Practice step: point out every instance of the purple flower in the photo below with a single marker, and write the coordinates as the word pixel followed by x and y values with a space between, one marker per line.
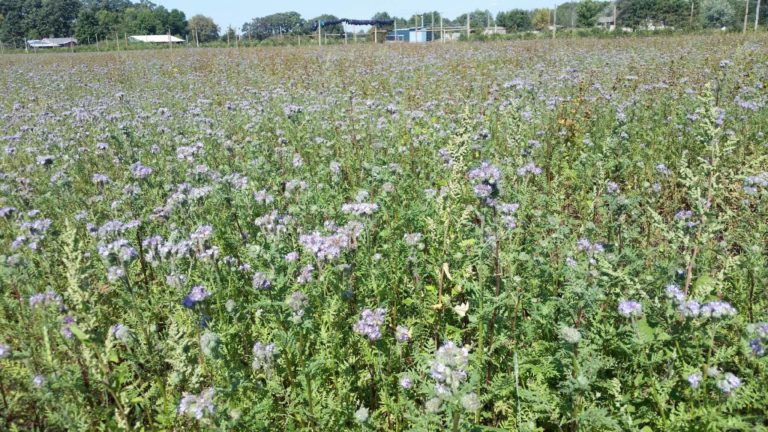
pixel 306 274
pixel 694 380
pixel 291 256
pixel 630 308
pixel 120 332
pixel 67 322
pixel 612 188
pixel 263 356
pixel 360 209
pixel 262 197
pixel 48 298
pixel 717 309
pixel 482 190
pixel 485 173
pixel 196 295
pixel 260 281
pixel 5 350
pixel 100 179
pixel 412 239
pixel 370 323
pixel 402 334
pixel 757 347
pixel 449 368
pixel 406 383
pixel 198 405
pixel 689 308
pixel 530 167
pixel 38 381
pixel 674 292
pixel 728 383
pixel 139 171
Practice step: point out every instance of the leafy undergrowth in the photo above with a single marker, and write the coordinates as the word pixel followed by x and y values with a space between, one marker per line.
pixel 506 236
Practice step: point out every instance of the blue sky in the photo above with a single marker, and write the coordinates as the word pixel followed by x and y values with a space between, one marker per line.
pixel 237 12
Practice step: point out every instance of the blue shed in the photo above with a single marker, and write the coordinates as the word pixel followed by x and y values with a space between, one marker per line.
pixel 411 34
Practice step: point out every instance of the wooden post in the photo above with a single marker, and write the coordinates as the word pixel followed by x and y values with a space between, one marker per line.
pixel 319 34
pixel 554 22
pixel 170 45
pixel 615 24
pixel 746 15
pixel 71 45
pixel 2 47
pixel 375 35
pixel 228 29
pixel 757 14
pixel 442 30
pixel 117 41
pixel 125 35
pixel 197 38
pixel 690 20
pixel 468 29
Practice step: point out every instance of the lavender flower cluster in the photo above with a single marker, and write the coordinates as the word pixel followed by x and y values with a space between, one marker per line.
pixel 370 323
pixel 752 183
pixel 630 308
pixel 49 298
pixel 692 308
pixel 330 247
pixel 198 406
pixel 485 179
pixel 757 344
pixel 263 355
pixel 360 209
pixel 298 303
pixel 449 368
pixel 196 295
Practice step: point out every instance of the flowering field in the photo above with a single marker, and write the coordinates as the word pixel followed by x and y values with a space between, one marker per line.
pixel 520 236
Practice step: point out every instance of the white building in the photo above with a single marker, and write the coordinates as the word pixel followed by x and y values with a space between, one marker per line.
pixel 155 39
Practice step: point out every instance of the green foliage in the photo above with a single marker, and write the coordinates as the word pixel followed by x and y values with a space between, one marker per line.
pixel 717 13
pixel 587 12
pixel 203 28
pixel 643 178
pixel 515 20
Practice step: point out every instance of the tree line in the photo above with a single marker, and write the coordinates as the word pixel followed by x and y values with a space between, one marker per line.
pixel 89 20
pixel 634 14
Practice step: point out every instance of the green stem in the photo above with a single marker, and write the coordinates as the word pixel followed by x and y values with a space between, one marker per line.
pixel 456 419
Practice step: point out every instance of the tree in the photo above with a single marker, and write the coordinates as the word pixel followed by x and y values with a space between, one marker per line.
pixel 261 28
pixel 176 21
pixel 587 11
pixel 87 26
pixel 478 19
pixel 640 13
pixel 515 20
pixel 540 19
pixel 229 35
pixel 206 29
pixel 717 14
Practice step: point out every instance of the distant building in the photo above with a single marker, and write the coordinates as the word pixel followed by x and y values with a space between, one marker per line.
pixel 52 43
pixel 155 39
pixel 494 30
pixel 606 22
pixel 411 35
